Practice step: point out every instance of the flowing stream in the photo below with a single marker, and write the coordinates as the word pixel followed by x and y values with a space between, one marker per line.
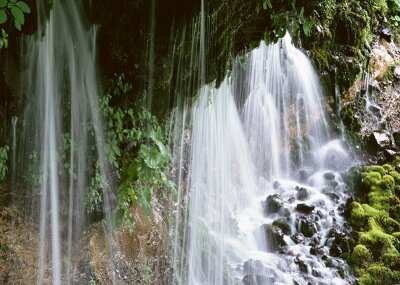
pixel 61 121
pixel 261 192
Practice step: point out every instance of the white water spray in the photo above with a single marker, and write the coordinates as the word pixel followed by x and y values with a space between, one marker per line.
pixel 274 144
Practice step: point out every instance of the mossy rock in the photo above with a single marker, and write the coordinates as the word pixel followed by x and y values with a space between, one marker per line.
pixel 379 274
pixel 361 256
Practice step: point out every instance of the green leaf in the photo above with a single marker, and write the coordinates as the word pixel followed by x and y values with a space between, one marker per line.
pixel 18 16
pixel 17 26
pixel 3 3
pixel 23 6
pixel 3 17
pixel 267 4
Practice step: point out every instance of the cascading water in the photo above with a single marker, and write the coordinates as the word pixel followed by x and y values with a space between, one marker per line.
pixel 62 119
pixel 263 179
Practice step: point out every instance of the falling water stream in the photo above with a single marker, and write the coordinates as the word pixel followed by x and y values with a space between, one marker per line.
pixel 260 154
pixel 62 119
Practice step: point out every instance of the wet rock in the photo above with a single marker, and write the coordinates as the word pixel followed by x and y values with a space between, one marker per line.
pixel 386 34
pixel 396 72
pixel 333 183
pixel 390 154
pixel 272 235
pixel 316 273
pixel 276 185
pixel 297 238
pixel 304 208
pixel 255 267
pixel 335 250
pixel 307 226
pixel 302 194
pixel 396 135
pixel 329 175
pixel 334 197
pixel 258 280
pixel 273 204
pixel 283 225
pixel 316 250
pixel 302 265
pixel 303 175
pixel 378 140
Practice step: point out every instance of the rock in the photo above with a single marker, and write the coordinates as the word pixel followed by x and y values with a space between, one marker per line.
pixel 334 197
pixel 302 265
pixel 272 235
pixel 307 226
pixel 316 250
pixel 283 225
pixel 333 183
pixel 335 250
pixel 390 154
pixel 386 34
pixel 304 208
pixel 329 175
pixel 297 238
pixel 302 194
pixel 396 72
pixel 378 140
pixel 273 204
pixel 276 185
pixel 255 267
pixel 396 135
pixel 258 280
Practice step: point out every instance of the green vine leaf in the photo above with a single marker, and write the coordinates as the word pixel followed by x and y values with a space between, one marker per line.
pixel 3 17
pixel 23 7
pixel 3 3
pixel 18 16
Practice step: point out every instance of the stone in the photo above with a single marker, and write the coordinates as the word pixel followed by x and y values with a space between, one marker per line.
pixel 390 154
pixel 276 185
pixel 273 204
pixel 302 265
pixel 396 136
pixel 304 208
pixel 307 226
pixel 258 279
pixel 302 194
pixel 316 250
pixel 329 175
pixel 386 34
pixel 273 236
pixel 297 238
pixel 378 140
pixel 283 225
pixel 396 72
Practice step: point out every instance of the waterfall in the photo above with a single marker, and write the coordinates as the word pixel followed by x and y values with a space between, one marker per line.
pixel 14 121
pixel 259 176
pixel 62 120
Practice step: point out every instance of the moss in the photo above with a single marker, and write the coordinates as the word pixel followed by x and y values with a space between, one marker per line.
pixel 396 176
pixel 372 178
pixel 379 274
pixel 283 225
pixel 361 256
pixel 387 182
pixel 378 241
pixel 375 168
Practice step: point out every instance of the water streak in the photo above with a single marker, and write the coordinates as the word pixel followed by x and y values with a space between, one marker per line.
pixel 261 135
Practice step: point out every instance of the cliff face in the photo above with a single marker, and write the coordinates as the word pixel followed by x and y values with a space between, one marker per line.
pixel 353 44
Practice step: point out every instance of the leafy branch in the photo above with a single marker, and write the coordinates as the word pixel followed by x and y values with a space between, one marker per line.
pixel 12 9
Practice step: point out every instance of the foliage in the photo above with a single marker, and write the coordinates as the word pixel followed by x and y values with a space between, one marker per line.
pixel 136 148
pixel 375 219
pixel 12 9
pixel 3 162
pixel 285 19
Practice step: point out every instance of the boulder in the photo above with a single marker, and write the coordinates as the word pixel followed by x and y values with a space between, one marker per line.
pixel 302 194
pixel 386 34
pixel 304 208
pixel 283 225
pixel 307 226
pixel 396 135
pixel 378 140
pixel 297 238
pixel 272 235
pixel 273 204
pixel 329 175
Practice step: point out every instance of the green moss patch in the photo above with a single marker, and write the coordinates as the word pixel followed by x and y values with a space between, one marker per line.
pixel 375 219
